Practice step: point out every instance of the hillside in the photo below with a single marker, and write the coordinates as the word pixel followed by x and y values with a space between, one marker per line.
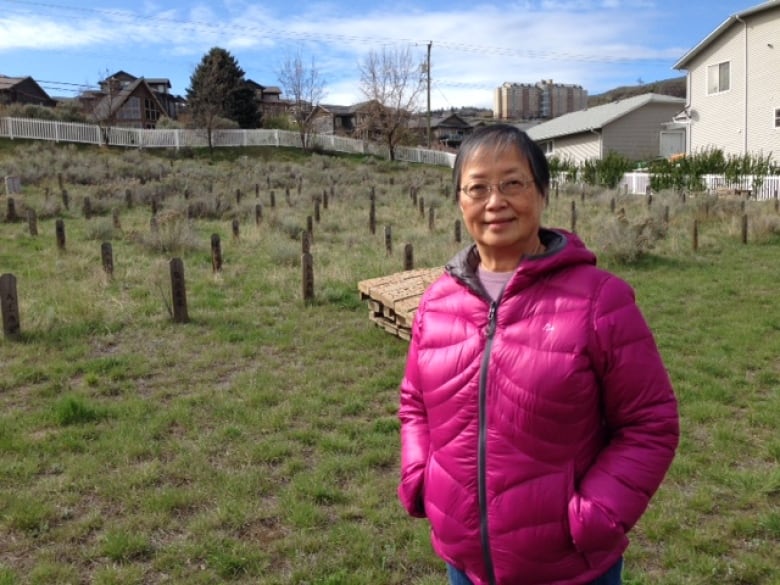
pixel 674 86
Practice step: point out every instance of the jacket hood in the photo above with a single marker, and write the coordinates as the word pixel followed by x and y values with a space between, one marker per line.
pixel 563 249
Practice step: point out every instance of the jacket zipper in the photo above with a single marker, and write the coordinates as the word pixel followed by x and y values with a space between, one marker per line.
pixel 482 447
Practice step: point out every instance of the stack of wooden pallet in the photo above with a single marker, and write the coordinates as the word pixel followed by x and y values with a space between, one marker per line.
pixel 392 300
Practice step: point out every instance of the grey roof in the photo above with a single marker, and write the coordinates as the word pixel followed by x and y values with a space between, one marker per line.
pixel 597 117
pixel 9 82
pixel 685 59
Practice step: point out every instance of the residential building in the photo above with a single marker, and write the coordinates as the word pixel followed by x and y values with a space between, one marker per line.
pixel 355 121
pixel 631 127
pixel 269 99
pixel 23 90
pixel 544 100
pixel 733 79
pixel 447 130
pixel 114 89
pixel 124 103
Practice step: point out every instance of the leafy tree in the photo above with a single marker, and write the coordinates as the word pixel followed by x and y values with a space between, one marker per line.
pixel 392 81
pixel 304 85
pixel 218 90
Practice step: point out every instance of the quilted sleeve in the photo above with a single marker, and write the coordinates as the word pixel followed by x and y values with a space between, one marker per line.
pixel 414 430
pixel 640 413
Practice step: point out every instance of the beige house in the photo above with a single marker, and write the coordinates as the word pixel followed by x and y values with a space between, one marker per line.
pixel 733 78
pixel 631 127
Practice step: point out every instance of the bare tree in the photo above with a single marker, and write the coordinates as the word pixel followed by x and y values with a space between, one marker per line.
pixel 304 85
pixel 393 82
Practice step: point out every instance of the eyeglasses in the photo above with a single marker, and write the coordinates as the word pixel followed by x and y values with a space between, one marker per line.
pixel 479 191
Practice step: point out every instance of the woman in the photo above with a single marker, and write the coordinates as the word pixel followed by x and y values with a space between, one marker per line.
pixel 537 418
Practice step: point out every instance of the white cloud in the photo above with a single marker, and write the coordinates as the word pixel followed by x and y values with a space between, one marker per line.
pixel 474 50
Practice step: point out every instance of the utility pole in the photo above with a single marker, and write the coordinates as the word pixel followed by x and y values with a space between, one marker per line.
pixel 428 78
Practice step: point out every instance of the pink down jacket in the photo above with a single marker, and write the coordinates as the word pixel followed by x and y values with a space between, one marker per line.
pixel 534 430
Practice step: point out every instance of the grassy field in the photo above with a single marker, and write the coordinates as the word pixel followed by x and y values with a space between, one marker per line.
pixel 258 443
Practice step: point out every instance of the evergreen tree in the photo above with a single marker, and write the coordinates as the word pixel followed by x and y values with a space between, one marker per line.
pixel 218 89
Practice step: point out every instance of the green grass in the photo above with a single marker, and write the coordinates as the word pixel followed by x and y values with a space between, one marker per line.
pixel 258 443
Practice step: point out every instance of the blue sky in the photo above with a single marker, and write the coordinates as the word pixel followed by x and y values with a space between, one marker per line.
pixel 67 45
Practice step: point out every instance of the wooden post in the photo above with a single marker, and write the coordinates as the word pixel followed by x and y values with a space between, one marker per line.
pixel 65 199
pixel 305 243
pixel 457 231
pixel 413 193
pixel 388 240
pixel 154 205
pixel 695 237
pixel 273 200
pixel 9 305
pixel 257 190
pixel 258 213
pixel 408 257
pixel 324 198
pixel 238 196
pixel 573 216
pixel 310 226
pixel 308 277
pixel 666 214
pixel 744 228
pixel 115 219
pixel 216 253
pixel 11 214
pixel 431 214
pixel 649 200
pixel 86 208
pixel 236 228
pixel 60 230
pixel 556 189
pixel 372 217
pixel 32 222
pixel 107 256
pixel 422 207
pixel 179 291
pixel 287 196
pixel 317 211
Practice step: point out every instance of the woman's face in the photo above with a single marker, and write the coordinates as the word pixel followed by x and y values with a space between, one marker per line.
pixel 503 227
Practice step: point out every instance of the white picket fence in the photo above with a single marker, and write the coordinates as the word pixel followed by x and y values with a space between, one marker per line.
pixel 31 129
pixel 635 183
pixel 638 182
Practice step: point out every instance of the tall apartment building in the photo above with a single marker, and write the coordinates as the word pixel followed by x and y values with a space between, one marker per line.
pixel 542 100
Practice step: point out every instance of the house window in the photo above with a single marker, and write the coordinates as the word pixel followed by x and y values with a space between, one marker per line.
pixel 152 114
pixel 777 117
pixel 718 78
pixel 130 110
